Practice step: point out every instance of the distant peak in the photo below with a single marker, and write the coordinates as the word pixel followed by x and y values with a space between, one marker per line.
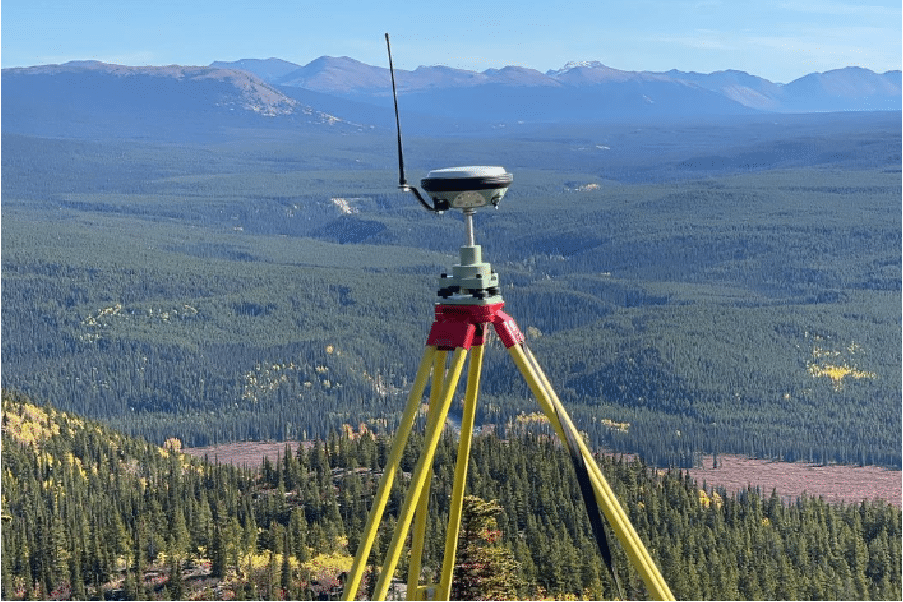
pixel 589 64
pixel 336 59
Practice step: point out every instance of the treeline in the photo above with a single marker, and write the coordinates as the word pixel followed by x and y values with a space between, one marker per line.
pixel 90 513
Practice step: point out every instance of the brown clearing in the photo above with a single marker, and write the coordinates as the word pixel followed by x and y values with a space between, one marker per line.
pixel 249 454
pixel 834 483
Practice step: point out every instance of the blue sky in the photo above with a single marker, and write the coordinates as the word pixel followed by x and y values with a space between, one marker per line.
pixel 780 40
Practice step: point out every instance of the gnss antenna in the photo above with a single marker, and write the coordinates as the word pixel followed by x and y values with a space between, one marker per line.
pixel 471 303
pixel 465 188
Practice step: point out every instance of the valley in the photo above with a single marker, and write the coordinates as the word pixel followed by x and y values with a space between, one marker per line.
pixel 195 291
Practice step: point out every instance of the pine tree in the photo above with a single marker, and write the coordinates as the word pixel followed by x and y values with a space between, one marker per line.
pixel 201 526
pixel 6 581
pixel 130 585
pixel 298 531
pixel 231 533
pixel 217 553
pixel 179 537
pixel 176 585
pixel 76 579
pixel 286 570
pixel 272 579
pixel 249 537
pixel 484 569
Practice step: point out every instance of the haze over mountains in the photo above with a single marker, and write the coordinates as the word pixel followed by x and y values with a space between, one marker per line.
pixel 341 93
pixel 93 99
pixel 852 88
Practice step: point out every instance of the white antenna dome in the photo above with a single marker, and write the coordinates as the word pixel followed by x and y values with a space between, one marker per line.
pixel 467 187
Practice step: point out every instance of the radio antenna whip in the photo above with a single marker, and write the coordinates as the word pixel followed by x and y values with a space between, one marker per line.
pixel 402 181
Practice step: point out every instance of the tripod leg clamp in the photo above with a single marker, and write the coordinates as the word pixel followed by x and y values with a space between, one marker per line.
pixel 507 329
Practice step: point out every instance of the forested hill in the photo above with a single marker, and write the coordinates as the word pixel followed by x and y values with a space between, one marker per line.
pixel 715 287
pixel 90 513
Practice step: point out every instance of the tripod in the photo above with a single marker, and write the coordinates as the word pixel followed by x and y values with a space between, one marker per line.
pixel 471 302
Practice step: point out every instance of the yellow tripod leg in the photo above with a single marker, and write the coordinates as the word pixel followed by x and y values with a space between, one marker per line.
pixel 614 512
pixel 457 499
pixel 606 498
pixel 424 465
pixel 418 539
pixel 420 516
pixel 385 485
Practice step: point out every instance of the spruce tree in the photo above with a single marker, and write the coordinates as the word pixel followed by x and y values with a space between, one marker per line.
pixel 484 568
pixel 217 553
pixel 176 585
pixel 272 577
pixel 286 579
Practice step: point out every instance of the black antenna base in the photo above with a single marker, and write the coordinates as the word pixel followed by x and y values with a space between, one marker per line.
pixel 437 206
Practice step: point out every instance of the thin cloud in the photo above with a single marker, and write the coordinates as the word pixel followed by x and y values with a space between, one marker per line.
pixel 838 8
pixel 703 39
pixel 826 53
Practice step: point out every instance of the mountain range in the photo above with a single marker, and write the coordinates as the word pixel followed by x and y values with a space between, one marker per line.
pixel 851 88
pixel 93 99
pixel 79 97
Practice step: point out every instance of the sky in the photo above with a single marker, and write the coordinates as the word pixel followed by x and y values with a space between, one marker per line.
pixel 780 40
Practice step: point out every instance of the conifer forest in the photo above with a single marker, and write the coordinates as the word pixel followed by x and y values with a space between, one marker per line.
pixel 98 514
pixel 727 287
